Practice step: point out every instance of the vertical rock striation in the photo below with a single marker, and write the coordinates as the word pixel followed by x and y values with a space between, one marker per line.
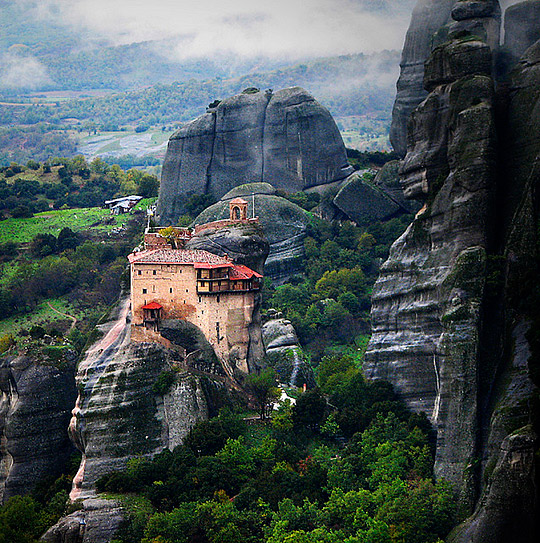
pixel 455 310
pixel 284 138
pixel 431 23
pixel 427 18
pixel 426 303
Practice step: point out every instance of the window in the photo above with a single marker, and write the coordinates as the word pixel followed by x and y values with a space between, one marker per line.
pixel 218 299
pixel 170 290
pixel 187 290
pixel 200 299
pixel 154 272
pixel 144 291
pixel 153 288
pixel 139 272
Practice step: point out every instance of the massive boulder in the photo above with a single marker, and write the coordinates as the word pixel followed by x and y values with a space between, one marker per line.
pixel 283 352
pixel 284 138
pixel 284 225
pixel 365 202
pixel 35 406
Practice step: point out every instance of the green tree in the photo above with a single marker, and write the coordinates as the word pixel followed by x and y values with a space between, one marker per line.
pixel 309 409
pixel 263 388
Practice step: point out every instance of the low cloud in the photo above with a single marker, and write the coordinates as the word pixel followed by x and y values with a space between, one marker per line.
pixel 20 70
pixel 280 28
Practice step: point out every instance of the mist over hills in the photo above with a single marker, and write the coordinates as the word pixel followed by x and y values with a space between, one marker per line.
pixel 57 45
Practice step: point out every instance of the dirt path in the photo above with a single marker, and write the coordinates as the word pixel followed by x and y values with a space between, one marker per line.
pixel 73 319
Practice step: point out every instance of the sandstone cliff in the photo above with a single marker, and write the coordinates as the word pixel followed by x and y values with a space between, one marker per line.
pixel 454 311
pixel 431 22
pixel 284 138
pixel 37 398
pixel 119 414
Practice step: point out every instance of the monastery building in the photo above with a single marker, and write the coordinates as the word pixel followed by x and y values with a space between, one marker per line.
pixel 207 290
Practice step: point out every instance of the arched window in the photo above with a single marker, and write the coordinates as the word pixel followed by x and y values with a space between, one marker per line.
pixel 236 213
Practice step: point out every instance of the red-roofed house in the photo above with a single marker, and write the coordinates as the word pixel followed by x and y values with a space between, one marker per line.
pixel 207 290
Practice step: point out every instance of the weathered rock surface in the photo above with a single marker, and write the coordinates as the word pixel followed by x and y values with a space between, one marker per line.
pixel 426 302
pixel 521 27
pixel 509 505
pixel 118 415
pixel 387 180
pixel 284 225
pixel 432 22
pixel 34 412
pixel 284 138
pixel 283 352
pixel 454 312
pixel 427 18
pixel 365 202
pixel 96 522
pixel 481 18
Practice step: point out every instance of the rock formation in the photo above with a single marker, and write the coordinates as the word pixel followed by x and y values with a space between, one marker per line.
pixel 283 352
pixel 432 21
pixel 96 522
pixel 119 414
pixel 520 30
pixel 283 222
pixel 427 18
pixel 432 283
pixel 454 311
pixel 284 138
pixel 365 202
pixel 34 411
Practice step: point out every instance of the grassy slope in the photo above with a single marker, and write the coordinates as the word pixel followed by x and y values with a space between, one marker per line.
pixel 51 222
pixel 86 220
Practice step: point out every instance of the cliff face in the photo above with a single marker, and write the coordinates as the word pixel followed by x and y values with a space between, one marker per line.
pixel 431 22
pixel 454 310
pixel 284 138
pixel 426 301
pixel 119 414
pixel 427 18
pixel 34 411
pixel 508 506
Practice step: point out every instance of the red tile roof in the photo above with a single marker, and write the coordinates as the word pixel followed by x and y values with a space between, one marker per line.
pixel 177 256
pixel 240 271
pixel 238 201
pixel 152 305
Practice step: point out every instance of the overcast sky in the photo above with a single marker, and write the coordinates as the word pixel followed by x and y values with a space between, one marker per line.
pixel 290 28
